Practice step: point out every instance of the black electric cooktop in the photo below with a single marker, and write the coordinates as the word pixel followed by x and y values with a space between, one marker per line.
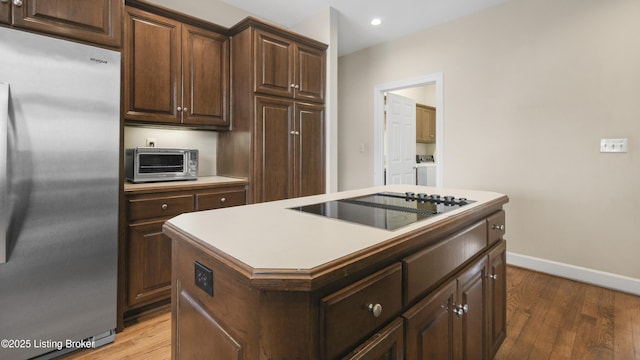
pixel 386 210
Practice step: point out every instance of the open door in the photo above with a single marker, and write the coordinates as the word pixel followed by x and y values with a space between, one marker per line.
pixel 400 157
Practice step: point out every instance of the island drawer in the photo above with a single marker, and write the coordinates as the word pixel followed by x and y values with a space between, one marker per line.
pixel 424 269
pixel 349 315
pixel 495 227
pixel 220 199
pixel 151 207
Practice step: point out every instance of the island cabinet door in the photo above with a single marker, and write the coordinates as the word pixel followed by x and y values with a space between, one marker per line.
pixel 431 326
pixel 387 344
pixel 497 285
pixel 5 12
pixel 471 310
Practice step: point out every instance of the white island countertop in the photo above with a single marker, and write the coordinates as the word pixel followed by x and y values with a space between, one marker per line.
pixel 273 236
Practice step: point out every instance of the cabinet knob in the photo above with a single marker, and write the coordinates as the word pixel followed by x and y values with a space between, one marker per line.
pixel 164 206
pixel 461 310
pixel 493 276
pixel 185 109
pixel 17 2
pixel 497 227
pixel 376 309
pixel 223 200
pixel 179 109
pixel 293 132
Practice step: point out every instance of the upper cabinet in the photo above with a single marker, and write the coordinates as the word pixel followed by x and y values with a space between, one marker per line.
pixel 287 68
pixel 278 135
pixel 425 124
pixel 174 73
pixel 95 21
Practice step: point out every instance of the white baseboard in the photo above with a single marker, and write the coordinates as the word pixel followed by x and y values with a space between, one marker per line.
pixel 595 277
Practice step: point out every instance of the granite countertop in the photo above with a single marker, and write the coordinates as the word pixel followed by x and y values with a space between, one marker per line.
pixel 273 236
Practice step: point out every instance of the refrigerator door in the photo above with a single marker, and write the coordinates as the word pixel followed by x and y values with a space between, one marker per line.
pixel 58 284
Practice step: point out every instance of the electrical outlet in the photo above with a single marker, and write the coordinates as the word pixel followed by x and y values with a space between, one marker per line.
pixel 151 142
pixel 204 278
pixel 613 145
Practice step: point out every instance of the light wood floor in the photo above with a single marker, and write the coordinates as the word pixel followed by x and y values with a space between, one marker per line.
pixel 548 318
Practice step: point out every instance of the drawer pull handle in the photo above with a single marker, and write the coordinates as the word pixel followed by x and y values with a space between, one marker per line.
pixel 376 309
pixel 164 206
pixel 223 200
pixel 498 227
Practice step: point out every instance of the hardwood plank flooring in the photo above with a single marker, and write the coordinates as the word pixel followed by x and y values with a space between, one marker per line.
pixel 554 318
pixel 547 318
pixel 149 339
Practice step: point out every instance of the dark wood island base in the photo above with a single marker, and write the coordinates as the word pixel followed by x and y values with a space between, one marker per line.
pixel 432 292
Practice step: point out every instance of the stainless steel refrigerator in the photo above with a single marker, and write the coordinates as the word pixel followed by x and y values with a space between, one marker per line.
pixel 59 141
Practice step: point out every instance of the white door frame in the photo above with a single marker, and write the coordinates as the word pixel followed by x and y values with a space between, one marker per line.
pixel 378 122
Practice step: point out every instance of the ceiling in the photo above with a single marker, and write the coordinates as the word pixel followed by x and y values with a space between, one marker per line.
pixel 399 17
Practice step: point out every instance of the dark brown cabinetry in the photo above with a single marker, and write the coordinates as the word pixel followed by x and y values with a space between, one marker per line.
pixel 425 124
pixel 387 344
pixel 431 295
pixel 464 318
pixel 497 292
pixel 147 251
pixel 289 149
pixel 95 21
pixel 277 138
pixel 174 73
pixel 286 68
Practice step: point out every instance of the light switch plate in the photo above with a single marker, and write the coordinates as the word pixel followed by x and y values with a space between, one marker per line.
pixel 613 145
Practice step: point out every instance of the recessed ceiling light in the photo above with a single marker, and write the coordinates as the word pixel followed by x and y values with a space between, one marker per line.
pixel 376 21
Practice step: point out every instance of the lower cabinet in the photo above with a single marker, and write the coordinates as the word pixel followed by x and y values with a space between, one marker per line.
pixel 444 300
pixel 146 269
pixel 465 318
pixel 497 292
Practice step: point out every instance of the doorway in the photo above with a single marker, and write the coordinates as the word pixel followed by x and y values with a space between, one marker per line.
pixel 379 123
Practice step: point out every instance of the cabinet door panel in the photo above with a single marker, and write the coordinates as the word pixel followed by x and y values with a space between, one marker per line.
pixel 431 326
pixel 472 295
pixel 149 272
pixel 310 76
pixel 387 344
pixel 310 151
pixel 95 21
pixel 152 66
pixel 5 12
pixel 274 64
pixel 205 77
pixel 497 285
pixel 274 175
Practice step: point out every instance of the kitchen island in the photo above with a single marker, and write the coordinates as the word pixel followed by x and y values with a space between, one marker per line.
pixel 268 281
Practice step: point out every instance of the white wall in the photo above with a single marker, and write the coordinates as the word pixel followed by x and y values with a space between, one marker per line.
pixel 530 87
pixel 213 11
pixel 204 141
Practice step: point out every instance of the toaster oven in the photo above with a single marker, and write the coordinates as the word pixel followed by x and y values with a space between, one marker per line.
pixel 147 164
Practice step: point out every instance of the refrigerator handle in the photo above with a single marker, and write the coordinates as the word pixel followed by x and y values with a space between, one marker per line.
pixel 4 124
